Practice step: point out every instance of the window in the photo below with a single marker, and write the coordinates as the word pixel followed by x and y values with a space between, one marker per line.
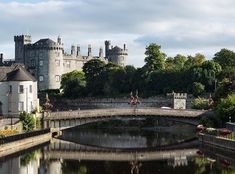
pixel 57 78
pixel 21 106
pixel 21 89
pixel 57 62
pixel 41 62
pixel 30 89
pixel 41 78
pixel 10 89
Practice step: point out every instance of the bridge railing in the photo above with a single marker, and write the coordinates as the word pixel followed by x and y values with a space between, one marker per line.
pixel 122 112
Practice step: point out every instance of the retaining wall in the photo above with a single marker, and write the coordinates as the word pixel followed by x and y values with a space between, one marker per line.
pixel 217 141
pixel 15 143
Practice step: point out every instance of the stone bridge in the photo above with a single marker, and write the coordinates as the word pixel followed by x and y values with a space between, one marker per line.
pixel 60 149
pixel 67 119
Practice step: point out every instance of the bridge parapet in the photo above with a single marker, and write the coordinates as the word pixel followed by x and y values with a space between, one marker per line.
pixel 94 113
pixel 68 119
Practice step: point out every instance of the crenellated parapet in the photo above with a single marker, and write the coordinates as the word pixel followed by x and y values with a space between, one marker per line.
pixel 180 95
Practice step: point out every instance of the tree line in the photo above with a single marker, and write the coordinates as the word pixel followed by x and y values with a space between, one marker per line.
pixel 159 75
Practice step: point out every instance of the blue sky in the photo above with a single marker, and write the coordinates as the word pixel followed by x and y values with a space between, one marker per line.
pixel 179 26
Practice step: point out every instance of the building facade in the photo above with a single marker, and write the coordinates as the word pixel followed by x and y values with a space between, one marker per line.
pixel 18 90
pixel 47 60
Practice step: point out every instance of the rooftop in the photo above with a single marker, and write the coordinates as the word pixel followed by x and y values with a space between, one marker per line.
pixel 15 73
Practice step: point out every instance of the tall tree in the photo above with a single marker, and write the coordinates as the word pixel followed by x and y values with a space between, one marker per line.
pixel 155 59
pixel 93 70
pixel 198 59
pixel 73 84
pixel 225 57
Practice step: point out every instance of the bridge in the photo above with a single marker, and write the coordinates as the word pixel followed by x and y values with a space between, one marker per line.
pixel 60 149
pixel 67 119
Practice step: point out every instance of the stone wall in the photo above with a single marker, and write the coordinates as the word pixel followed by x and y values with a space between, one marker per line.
pixel 217 141
pixel 89 103
pixel 23 143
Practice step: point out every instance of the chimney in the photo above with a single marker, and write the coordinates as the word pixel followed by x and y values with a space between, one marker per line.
pixel 101 54
pixel 59 40
pixel 1 58
pixel 89 50
pixel 124 46
pixel 78 50
pixel 72 50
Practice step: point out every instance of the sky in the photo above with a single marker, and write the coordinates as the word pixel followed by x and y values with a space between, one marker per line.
pixel 180 26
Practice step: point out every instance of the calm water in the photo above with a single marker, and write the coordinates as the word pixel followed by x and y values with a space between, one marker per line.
pixel 122 147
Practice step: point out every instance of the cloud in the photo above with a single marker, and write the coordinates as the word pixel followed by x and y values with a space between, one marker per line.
pixel 176 25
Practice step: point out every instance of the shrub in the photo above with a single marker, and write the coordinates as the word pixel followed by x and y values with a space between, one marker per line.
pixel 28 121
pixel 200 103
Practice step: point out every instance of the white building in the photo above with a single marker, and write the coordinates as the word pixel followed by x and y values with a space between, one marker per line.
pixel 18 90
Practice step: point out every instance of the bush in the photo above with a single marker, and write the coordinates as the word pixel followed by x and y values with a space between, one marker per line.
pixel 200 103
pixel 198 88
pixel 225 110
pixel 28 121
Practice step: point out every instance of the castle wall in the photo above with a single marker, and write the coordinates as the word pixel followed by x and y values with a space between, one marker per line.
pixel 71 63
pixel 47 61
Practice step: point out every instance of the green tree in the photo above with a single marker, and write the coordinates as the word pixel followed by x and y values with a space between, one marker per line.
pixel 225 88
pixel 93 70
pixel 179 61
pixel 176 63
pixel 226 109
pixel 28 121
pixel 225 57
pixel 73 84
pixel 198 88
pixel 155 59
pixel 192 61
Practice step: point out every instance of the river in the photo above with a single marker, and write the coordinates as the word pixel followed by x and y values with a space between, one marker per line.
pixel 126 146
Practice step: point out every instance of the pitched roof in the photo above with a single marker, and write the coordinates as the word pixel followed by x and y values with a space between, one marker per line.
pixel 15 73
pixel 44 41
pixel 4 70
pixel 117 48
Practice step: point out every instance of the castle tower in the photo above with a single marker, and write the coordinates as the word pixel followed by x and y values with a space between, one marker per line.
pixel 107 47
pixel 116 54
pixel 89 50
pixel 20 42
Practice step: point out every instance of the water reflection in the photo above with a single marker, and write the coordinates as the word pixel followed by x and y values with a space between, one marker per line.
pixel 108 151
pixel 131 134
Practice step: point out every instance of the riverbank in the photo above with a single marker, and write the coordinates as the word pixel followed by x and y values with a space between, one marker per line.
pixel 15 143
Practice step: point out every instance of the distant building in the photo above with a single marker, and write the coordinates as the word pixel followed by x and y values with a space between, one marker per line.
pixel 47 60
pixel 18 90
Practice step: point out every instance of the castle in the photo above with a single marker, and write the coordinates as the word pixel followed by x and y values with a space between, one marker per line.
pixel 47 60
